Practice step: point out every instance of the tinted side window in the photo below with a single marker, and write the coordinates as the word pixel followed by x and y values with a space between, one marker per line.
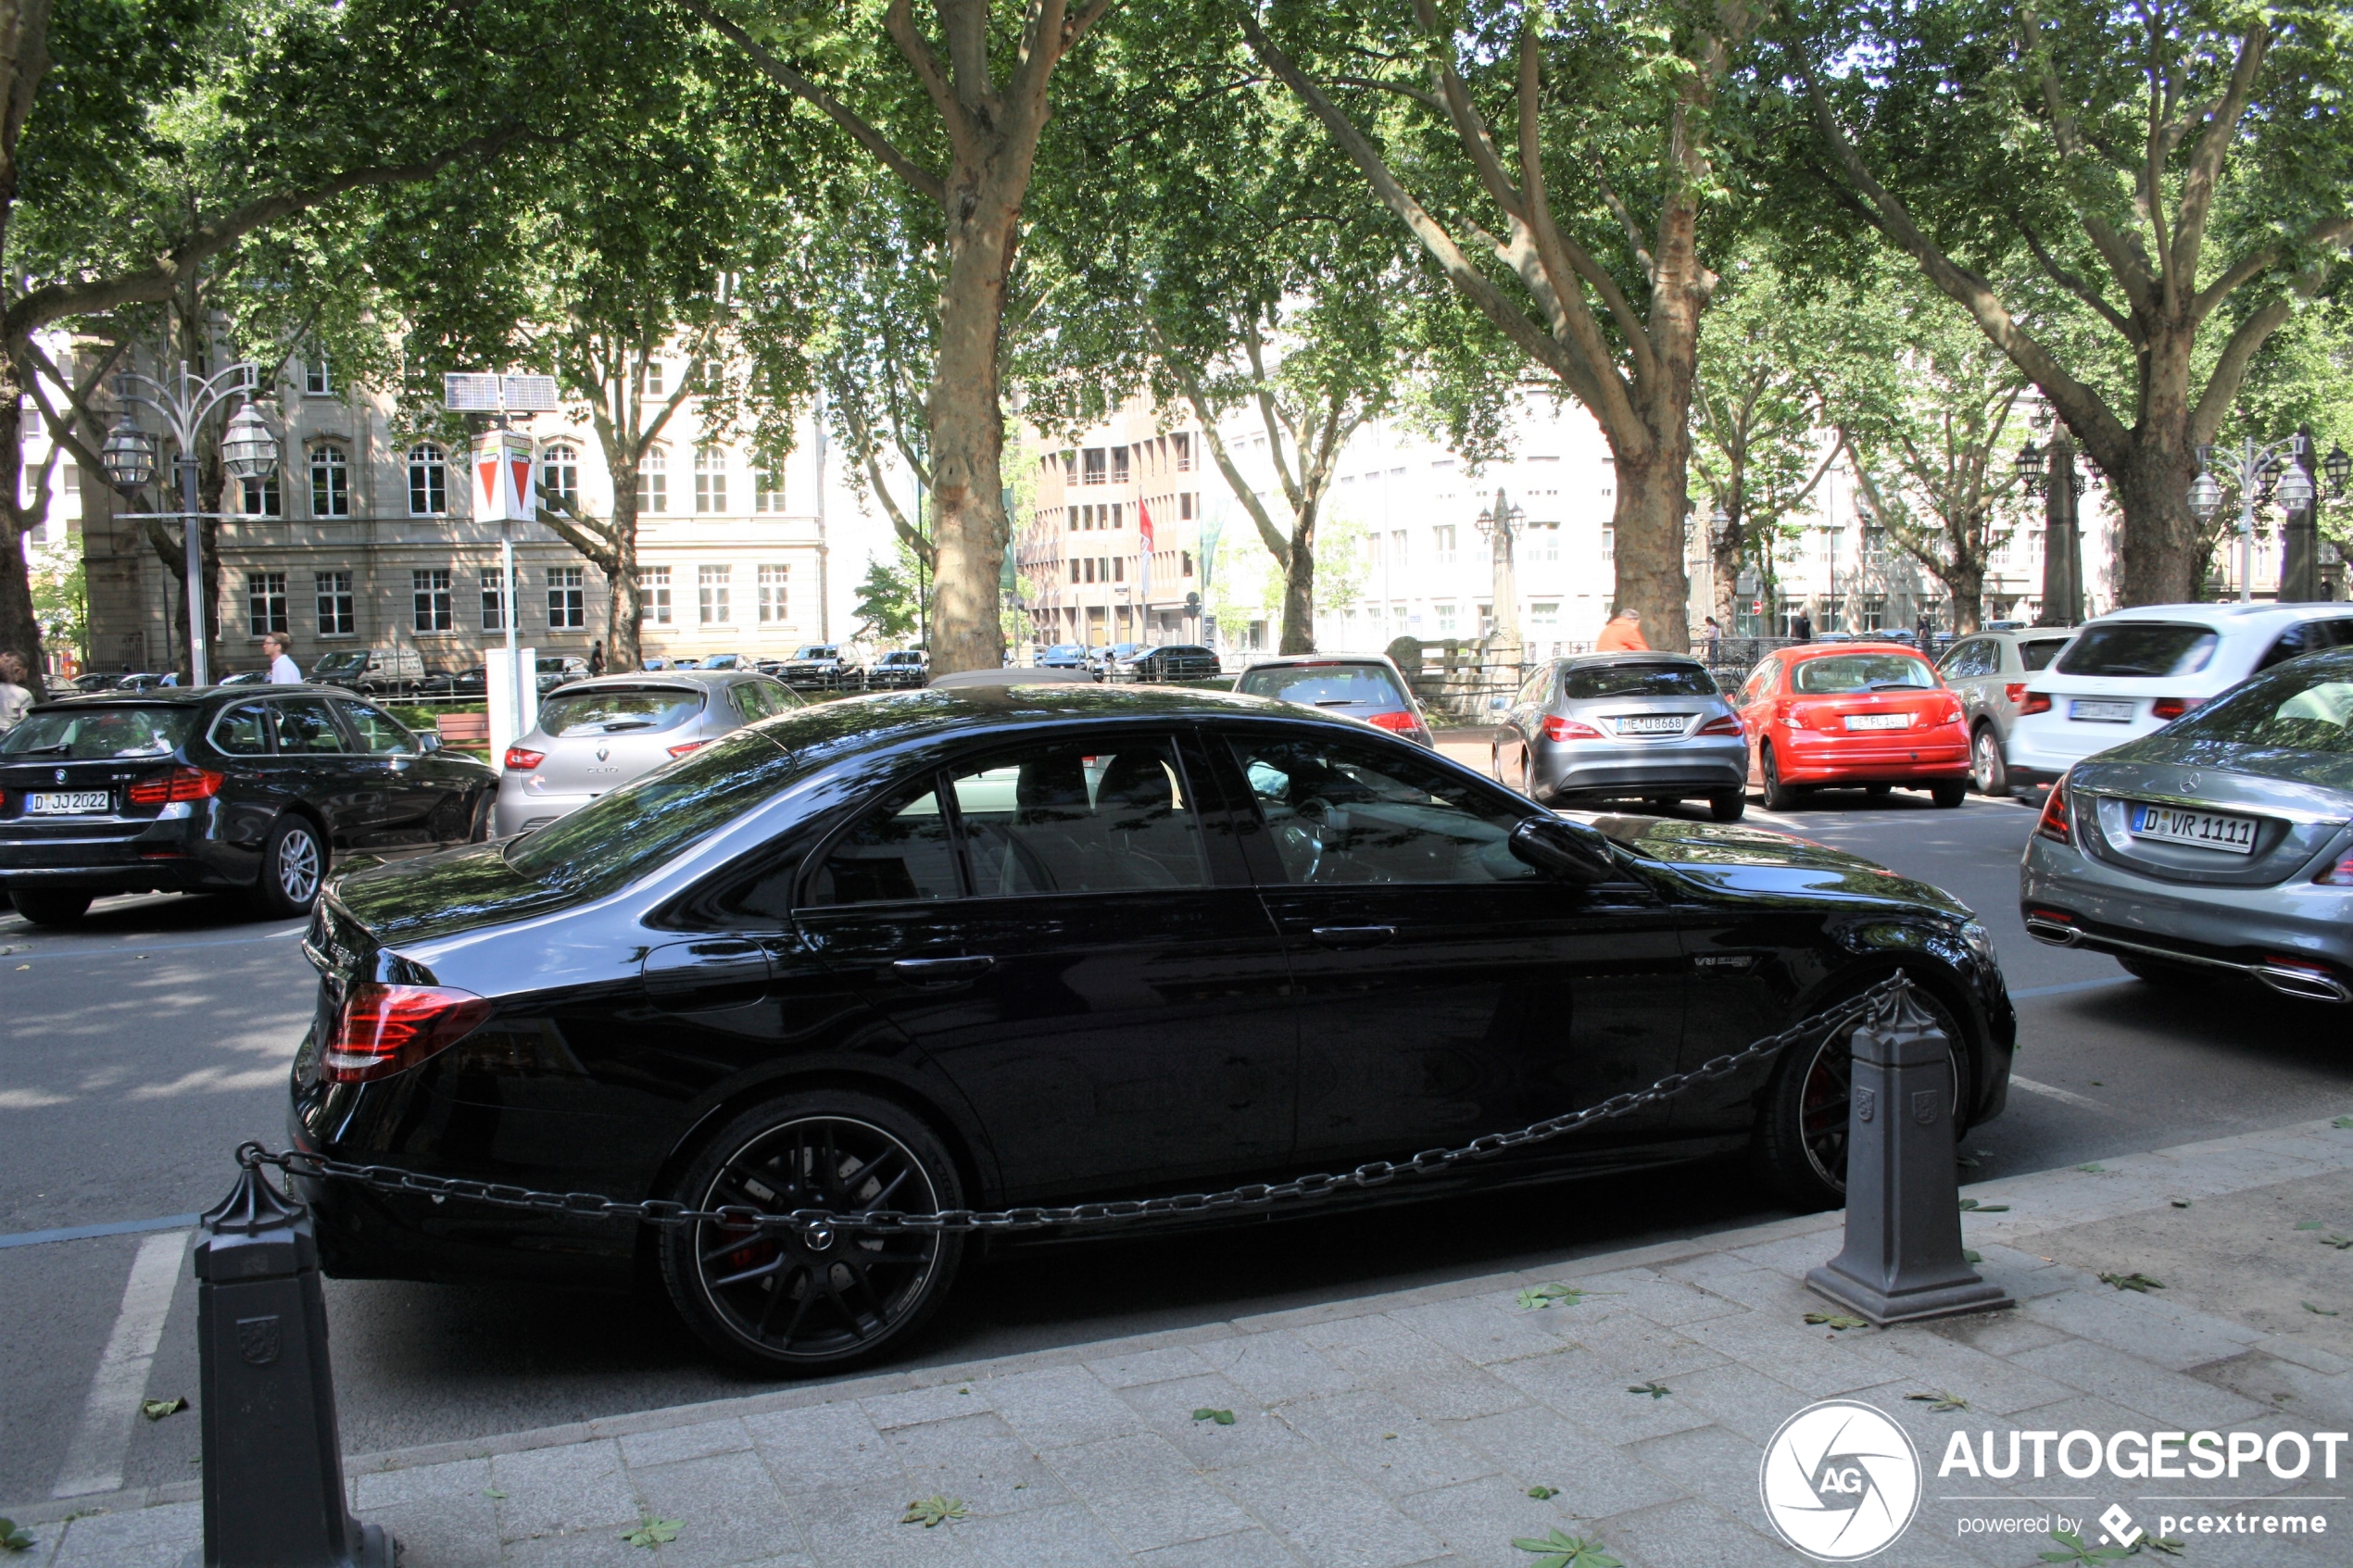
pixel 2038 655
pixel 376 730
pixel 1341 813
pixel 1080 816
pixel 2311 637
pixel 305 727
pixel 243 731
pixel 901 852
pixel 1972 659
pixel 748 702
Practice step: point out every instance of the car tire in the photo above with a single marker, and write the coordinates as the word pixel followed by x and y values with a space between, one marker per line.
pixel 1779 796
pixel 2171 976
pixel 784 1303
pixel 1948 793
pixel 1528 772
pixel 1879 791
pixel 1728 805
pixel 1800 1148
pixel 46 908
pixel 485 809
pixel 293 867
pixel 1988 772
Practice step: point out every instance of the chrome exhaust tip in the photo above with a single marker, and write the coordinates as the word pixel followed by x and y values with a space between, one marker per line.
pixel 2052 932
pixel 2305 985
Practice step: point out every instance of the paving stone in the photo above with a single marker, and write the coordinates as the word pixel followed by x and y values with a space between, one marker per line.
pixel 1186 1509
pixel 1996 1334
pixel 577 1486
pixel 439 1512
pixel 1389 1444
pixel 1275 1366
pixel 731 1509
pixel 1594 1478
pixel 1818 1362
pixel 1329 1515
pixel 1053 1407
pixel 1593 1393
pixel 1066 1536
pixel 1257 1435
pixel 977 1459
pixel 1121 1464
pixel 2155 1392
pixel 1641 1349
pixel 944 1402
pixel 1478 1520
pixel 1650 1294
pixel 858 1527
pixel 1451 1391
pixel 1739 1398
pixel 147 1538
pixel 446 1484
pixel 1147 1366
pixel 1717 1464
pixel 1254 1549
pixel 1689 1534
pixel 1992 1386
pixel 1482 1332
pixel 668 1444
pixel 2145 1327
pixel 819 1446
pixel 2315 1398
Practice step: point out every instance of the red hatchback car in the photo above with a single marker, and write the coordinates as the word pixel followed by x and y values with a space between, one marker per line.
pixel 1842 714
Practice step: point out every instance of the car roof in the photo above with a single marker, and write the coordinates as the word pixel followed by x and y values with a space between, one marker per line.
pixel 1816 650
pixel 191 696
pixel 676 680
pixel 2223 615
pixel 1276 660
pixel 884 718
pixel 1628 656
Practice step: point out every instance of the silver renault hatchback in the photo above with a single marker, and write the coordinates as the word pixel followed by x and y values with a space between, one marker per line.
pixel 1603 726
pixel 593 735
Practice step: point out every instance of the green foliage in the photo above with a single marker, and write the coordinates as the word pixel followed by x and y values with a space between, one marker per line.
pixel 13 1539
pixel 887 607
pixel 1223 1418
pixel 653 1533
pixel 61 596
pixel 2072 1550
pixel 1554 1549
pixel 932 1512
pixel 2135 1281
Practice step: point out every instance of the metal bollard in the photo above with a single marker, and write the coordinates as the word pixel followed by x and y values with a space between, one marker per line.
pixel 274 1493
pixel 1903 1258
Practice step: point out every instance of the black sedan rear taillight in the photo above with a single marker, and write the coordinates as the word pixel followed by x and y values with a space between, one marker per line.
pixel 381 1030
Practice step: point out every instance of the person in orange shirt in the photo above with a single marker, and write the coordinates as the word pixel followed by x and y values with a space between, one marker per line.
pixel 1623 635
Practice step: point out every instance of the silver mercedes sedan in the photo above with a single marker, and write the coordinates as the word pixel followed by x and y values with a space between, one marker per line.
pixel 1603 726
pixel 2218 846
pixel 595 735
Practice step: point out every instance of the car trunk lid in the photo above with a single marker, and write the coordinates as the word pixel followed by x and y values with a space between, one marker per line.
pixel 2296 803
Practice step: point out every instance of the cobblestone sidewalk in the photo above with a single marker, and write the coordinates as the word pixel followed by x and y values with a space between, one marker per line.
pixel 1437 1425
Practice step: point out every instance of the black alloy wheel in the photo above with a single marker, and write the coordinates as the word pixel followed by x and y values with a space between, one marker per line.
pixel 294 864
pixel 809 1301
pixel 1779 796
pixel 50 908
pixel 1527 770
pixel 1801 1138
pixel 1948 793
pixel 1728 805
pixel 1988 772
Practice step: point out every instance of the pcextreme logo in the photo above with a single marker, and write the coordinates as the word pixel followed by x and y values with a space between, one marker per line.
pixel 1840 1481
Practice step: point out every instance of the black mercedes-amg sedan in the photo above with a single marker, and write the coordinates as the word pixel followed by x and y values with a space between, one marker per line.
pixel 1037 944
pixel 219 788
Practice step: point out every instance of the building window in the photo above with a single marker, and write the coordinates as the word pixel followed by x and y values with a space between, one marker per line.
pixel 1397 549
pixel 315 379
pixel 260 497
pixel 653 594
pixel 1184 453
pixel 712 585
pixel 567 603
pixel 654 379
pixel 1187 556
pixel 1070 468
pixel 432 609
pixel 265 602
pixel 1543 542
pixel 494 599
pixel 428 481
pixel 1071 524
pixel 1443 537
pixel 653 481
pixel 560 473
pixel 771 594
pixel 1090 464
pixel 1188 505
pixel 330 481
pixel 1119 465
pixel 1609 542
pixel 711 479
pixel 1445 620
pixel 767 487
pixel 336 616
pixel 1545 617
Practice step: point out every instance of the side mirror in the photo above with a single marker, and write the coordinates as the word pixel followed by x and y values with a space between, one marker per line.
pixel 429 741
pixel 1563 850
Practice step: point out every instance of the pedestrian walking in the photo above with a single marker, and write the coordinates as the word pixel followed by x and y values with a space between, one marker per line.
pixel 1803 627
pixel 1623 635
pixel 15 695
pixel 1715 638
pixel 595 659
pixel 283 672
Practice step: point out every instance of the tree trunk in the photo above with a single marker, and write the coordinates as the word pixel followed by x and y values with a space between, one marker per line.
pixel 1298 587
pixel 2165 546
pixel 624 644
pixel 1652 500
pixel 20 632
pixel 969 530
pixel 1966 582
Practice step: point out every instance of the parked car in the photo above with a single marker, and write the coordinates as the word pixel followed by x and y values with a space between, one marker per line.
pixel 1615 726
pixel 908 667
pixel 1104 661
pixel 93 681
pixel 245 678
pixel 1989 671
pixel 218 788
pixel 1063 655
pixel 559 670
pixel 395 668
pixel 823 666
pixel 936 949
pixel 1174 661
pixel 473 681
pixel 725 661
pixel 1358 685
pixel 593 736
pixel 2132 672
pixel 1853 713
pixel 2220 845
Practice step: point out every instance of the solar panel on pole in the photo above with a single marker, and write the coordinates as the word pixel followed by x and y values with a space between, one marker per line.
pixel 530 395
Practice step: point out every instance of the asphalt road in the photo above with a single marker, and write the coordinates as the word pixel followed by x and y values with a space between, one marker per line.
pixel 138 1051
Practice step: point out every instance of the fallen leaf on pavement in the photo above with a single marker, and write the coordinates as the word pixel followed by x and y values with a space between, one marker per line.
pixel 1223 1418
pixel 653 1533
pixel 1941 1401
pixel 2094 1169
pixel 12 1538
pixel 492 1492
pixel 2076 1551
pixel 2343 1122
pixel 2133 1281
pixel 1970 1205
pixel 2324 1311
pixel 156 1410
pixel 1837 1320
pixel 932 1512
pixel 1556 1550
pixel 1543 1494
pixel 2181 1203
pixel 1656 1390
pixel 2308 1225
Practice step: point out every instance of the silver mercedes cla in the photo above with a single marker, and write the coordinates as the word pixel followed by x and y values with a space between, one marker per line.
pixel 593 735
pixel 2221 845
pixel 1602 726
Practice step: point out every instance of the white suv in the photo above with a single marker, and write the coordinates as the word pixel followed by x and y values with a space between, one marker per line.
pixel 2135 672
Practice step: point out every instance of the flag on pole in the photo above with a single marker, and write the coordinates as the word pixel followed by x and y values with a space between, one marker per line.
pixel 1144 536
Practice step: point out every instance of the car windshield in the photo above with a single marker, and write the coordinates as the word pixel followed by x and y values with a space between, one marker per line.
pixel 1325 686
pixel 1581 682
pixel 2293 710
pixel 97 733
pixel 614 710
pixel 619 835
pixel 814 651
pixel 1864 672
pixel 2139 648
pixel 2037 655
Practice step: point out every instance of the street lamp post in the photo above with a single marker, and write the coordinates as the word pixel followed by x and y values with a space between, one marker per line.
pixel 2254 469
pixel 2300 557
pixel 1498 525
pixel 2050 471
pixel 184 401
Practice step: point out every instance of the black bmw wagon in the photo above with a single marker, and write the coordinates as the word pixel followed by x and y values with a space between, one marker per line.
pixel 1029 944
pixel 240 788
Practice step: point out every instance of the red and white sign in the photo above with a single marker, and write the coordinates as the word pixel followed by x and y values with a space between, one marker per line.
pixel 502 478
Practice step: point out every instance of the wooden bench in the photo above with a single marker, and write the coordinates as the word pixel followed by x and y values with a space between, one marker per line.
pixel 463 729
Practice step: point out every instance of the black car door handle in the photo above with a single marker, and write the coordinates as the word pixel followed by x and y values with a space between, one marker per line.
pixel 942 971
pixel 1346 936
